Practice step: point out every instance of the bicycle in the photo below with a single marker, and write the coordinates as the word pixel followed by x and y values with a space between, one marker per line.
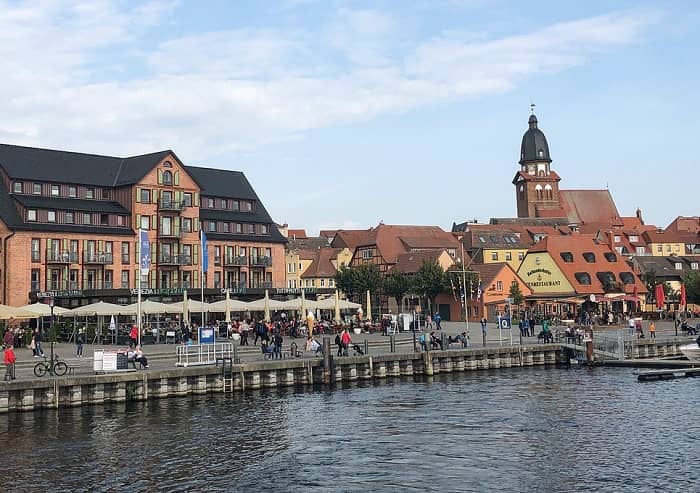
pixel 55 367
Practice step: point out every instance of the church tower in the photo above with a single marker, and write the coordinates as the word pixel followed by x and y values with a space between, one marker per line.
pixel 536 185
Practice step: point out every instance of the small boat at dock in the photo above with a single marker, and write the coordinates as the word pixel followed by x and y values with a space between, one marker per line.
pixel 691 351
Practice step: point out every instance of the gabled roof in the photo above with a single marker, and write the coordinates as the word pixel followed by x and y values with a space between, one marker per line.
pixel 307 243
pixel 687 224
pixel 665 266
pixel 322 265
pixel 350 238
pixel 296 234
pixel 389 243
pixel 222 183
pixel 662 237
pixel 590 206
pixel 64 204
pixel 577 245
pixel 411 262
pixel 493 237
pixel 50 165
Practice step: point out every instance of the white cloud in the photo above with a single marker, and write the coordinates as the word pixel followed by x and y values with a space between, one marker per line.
pixel 213 93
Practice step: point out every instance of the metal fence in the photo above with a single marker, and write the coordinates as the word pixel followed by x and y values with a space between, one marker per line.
pixel 203 354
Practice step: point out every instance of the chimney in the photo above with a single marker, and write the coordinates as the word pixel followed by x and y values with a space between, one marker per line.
pixel 639 215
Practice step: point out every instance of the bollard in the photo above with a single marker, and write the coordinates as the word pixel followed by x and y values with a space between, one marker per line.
pixel 443 341
pixel 236 359
pixel 392 343
pixel 366 347
pixel 327 361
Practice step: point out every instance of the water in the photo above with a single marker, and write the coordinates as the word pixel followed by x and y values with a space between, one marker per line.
pixel 510 430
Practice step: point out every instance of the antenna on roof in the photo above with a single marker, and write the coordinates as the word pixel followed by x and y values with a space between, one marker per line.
pixel 532 107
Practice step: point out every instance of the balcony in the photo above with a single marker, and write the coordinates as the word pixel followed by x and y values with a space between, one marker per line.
pixel 235 260
pixel 62 257
pixel 171 233
pixel 181 259
pixel 261 261
pixel 165 205
pixel 260 284
pixel 99 258
pixel 235 285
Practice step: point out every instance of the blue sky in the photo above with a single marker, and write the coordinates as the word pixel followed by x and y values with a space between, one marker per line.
pixel 347 113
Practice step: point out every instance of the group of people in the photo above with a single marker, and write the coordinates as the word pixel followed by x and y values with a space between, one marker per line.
pixel 635 327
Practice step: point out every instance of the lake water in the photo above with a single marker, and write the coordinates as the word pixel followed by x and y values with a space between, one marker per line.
pixel 549 430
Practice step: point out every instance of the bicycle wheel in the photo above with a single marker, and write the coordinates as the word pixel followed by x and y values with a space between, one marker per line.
pixel 60 368
pixel 40 369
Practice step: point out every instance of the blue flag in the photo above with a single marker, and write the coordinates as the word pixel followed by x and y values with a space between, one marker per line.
pixel 145 246
pixel 205 254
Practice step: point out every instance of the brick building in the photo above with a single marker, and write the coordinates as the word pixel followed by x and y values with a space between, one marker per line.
pixel 68 225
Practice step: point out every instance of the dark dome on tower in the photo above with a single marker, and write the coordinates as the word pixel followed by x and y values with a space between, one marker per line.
pixel 534 147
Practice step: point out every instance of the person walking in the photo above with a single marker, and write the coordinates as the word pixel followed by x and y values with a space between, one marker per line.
pixel 652 330
pixel 484 323
pixel 437 319
pixel 133 336
pixel 79 341
pixel 277 346
pixel 9 337
pixel 10 360
pixel 345 339
pixel 39 352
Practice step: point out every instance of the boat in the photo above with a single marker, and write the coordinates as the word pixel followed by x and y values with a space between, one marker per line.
pixel 691 351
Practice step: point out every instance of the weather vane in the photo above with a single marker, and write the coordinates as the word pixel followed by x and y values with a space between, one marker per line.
pixel 532 107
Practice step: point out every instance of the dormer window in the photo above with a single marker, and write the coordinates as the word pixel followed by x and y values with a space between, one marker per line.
pixel 627 277
pixel 679 266
pixel 17 187
pixel 694 265
pixel 634 238
pixel 567 257
pixel 55 190
pixel 610 257
pixel 583 278
pixel 540 153
pixel 36 190
pixel 167 177
pixel 589 257
pixel 89 193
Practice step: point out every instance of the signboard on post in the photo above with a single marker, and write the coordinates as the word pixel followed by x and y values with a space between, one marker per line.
pixel 206 335
pixel 505 323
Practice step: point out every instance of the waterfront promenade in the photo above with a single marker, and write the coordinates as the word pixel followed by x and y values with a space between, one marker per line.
pixel 163 356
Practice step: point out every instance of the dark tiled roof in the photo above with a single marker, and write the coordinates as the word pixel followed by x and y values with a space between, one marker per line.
pixel 74 228
pixel 274 237
pixel 30 163
pixel 306 243
pixel 42 202
pixel 260 215
pixel 223 183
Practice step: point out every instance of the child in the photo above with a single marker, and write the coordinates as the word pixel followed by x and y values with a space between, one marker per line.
pixel 10 360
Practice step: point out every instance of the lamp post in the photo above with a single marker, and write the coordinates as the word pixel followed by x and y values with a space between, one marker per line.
pixel 51 304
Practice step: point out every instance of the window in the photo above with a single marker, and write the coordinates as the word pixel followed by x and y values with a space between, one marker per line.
pixel 659 248
pixel 634 238
pixel 605 277
pixel 125 252
pixel 366 254
pixel 89 193
pixel 36 189
pixel 36 280
pixel 521 255
pixel 224 204
pixel 251 229
pixel 567 257
pixel 17 187
pixel 31 214
pixel 694 265
pixel 627 277
pixel 51 216
pixel 239 228
pixel 330 283
pixel 610 257
pixel 235 205
pixel 668 248
pixel 210 203
pixel 679 266
pixel 494 255
pixel 217 280
pixel 247 206
pixel 583 278
pixel 509 256
pixel 87 218
pixel 323 283
pixel 187 199
pixel 120 220
pixel 548 192
pixel 55 190
pixel 145 222
pixel 616 238
pixel 212 226
pixel 105 194
pixel 167 178
pixel 145 196
pixel 589 257
pixel 264 229
pixel 640 250
pixel 36 250
pixel 186 225
pixel 538 192
pixel 125 279
pixel 217 255
pixel 72 191
pixel 69 218
pixel 104 219
pixel 499 285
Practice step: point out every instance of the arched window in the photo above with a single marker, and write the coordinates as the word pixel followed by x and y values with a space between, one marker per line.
pixel 548 192
pixel 522 191
pixel 167 178
pixel 538 192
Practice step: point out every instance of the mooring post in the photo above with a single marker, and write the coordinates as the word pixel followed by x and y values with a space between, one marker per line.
pixel 327 362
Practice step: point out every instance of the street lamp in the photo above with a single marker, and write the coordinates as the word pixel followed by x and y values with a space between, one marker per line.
pixel 51 304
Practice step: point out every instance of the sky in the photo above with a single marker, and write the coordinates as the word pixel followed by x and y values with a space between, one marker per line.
pixel 346 113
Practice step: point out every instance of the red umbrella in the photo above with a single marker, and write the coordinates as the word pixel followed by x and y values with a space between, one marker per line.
pixel 684 301
pixel 660 297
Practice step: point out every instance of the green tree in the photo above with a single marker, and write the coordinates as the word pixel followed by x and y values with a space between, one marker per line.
pixel 345 281
pixel 516 294
pixel 355 281
pixel 430 280
pixel 692 287
pixel 397 285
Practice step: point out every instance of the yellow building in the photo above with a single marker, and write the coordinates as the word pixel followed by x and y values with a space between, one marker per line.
pixel 489 244
pixel 315 268
pixel 663 244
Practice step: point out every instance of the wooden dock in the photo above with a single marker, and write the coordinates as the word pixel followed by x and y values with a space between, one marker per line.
pixel 668 374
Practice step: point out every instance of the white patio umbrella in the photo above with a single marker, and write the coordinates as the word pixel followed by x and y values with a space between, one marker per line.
pixel 185 309
pixel 337 307
pixel 303 303
pixel 267 306
pixel 233 306
pixel 369 307
pixel 43 309
pixel 151 307
pixel 7 312
pixel 99 308
pixel 228 308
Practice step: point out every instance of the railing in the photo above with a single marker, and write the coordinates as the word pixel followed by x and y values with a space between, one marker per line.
pixel 261 261
pixel 260 284
pixel 240 260
pixel 169 234
pixel 181 259
pixel 203 354
pixel 235 285
pixel 62 257
pixel 97 258
pixel 170 205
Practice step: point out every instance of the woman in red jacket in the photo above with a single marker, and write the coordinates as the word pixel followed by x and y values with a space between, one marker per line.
pixel 10 360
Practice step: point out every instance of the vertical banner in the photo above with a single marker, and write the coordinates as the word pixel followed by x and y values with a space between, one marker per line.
pixel 145 252
pixel 205 253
